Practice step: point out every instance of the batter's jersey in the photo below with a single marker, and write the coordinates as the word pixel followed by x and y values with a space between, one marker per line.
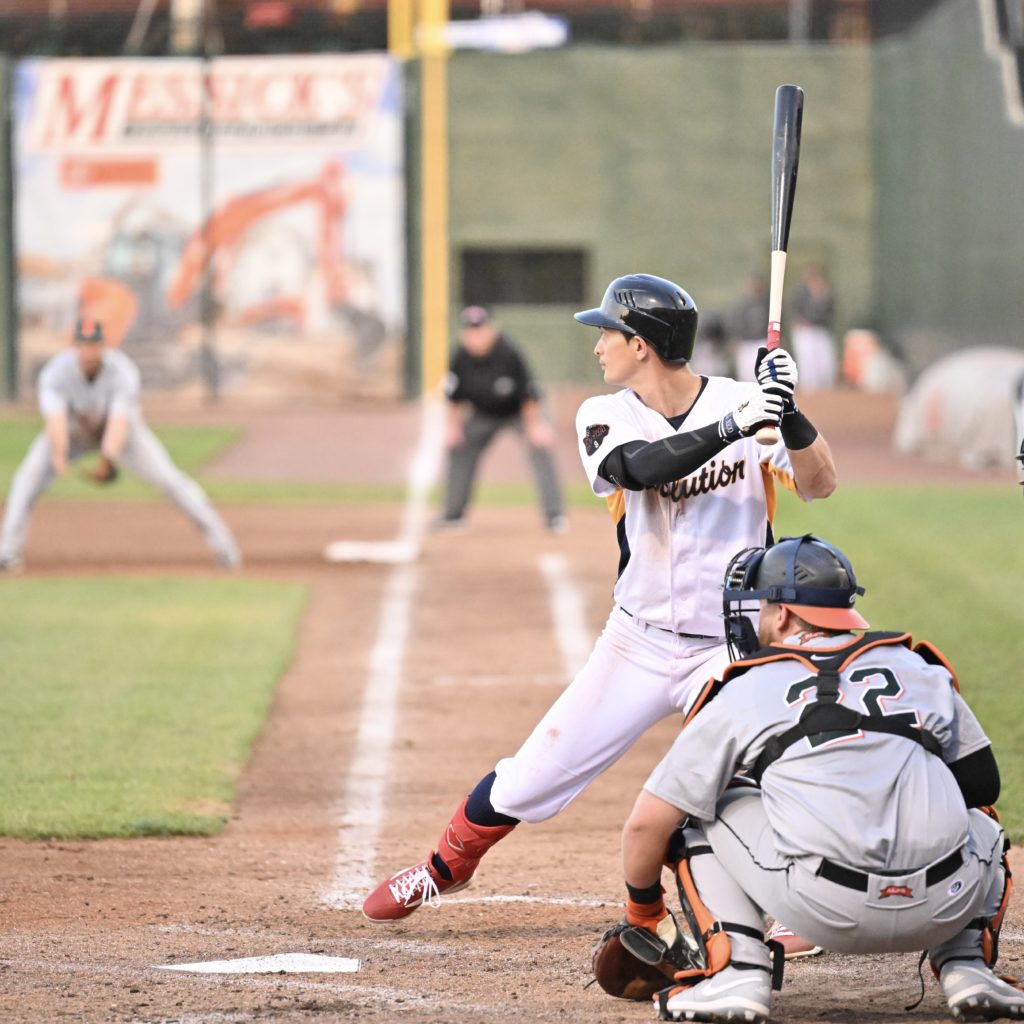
pixel 62 387
pixel 870 801
pixel 677 540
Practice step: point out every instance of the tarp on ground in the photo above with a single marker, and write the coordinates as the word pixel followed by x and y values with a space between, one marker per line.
pixel 969 406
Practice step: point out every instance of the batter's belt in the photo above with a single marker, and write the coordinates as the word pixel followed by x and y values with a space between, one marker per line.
pixel 859 880
pixel 687 636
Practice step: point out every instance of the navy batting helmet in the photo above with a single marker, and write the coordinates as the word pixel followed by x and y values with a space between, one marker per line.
pixel 809 576
pixel 657 310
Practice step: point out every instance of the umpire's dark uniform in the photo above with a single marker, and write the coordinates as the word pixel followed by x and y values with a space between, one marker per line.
pixel 495 386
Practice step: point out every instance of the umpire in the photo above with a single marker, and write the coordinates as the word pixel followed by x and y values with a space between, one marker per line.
pixel 490 386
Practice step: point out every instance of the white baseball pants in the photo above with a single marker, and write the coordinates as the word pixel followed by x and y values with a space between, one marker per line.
pixel 143 455
pixel 636 675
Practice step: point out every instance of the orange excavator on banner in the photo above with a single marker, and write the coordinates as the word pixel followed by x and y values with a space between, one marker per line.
pixel 150 283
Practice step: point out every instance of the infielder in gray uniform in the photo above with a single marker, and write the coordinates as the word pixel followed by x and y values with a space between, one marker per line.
pixel 862 817
pixel 89 398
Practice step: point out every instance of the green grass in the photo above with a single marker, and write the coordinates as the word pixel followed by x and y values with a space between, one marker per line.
pixel 191 448
pixel 129 705
pixel 946 564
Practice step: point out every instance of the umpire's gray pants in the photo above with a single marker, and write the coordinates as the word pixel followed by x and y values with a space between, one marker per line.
pixel 480 429
pixel 143 455
pixel 746 877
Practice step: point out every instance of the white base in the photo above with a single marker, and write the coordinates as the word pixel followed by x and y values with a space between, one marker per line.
pixel 279 963
pixel 388 552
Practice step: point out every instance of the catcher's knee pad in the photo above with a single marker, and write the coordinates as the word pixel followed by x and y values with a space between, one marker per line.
pixel 991 926
pixel 710 949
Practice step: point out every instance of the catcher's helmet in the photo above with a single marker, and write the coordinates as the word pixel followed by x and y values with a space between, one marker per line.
pixel 657 310
pixel 807 575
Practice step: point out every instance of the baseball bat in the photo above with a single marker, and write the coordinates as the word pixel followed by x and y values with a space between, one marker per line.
pixel 789 113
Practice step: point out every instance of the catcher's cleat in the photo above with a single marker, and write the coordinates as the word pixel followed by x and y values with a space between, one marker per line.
pixel 730 995
pixel 975 993
pixel 792 944
pixel 404 892
pixel 11 564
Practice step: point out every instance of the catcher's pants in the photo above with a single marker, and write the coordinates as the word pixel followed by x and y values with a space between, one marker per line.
pixel 143 455
pixel 636 675
pixel 480 430
pixel 746 877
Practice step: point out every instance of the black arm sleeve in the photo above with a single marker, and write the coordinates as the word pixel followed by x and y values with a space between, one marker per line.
pixel 638 465
pixel 977 775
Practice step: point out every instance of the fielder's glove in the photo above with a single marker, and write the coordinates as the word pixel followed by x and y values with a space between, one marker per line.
pixel 104 472
pixel 762 408
pixel 631 962
pixel 776 372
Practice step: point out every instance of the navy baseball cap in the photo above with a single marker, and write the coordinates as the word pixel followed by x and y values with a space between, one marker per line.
pixel 474 316
pixel 88 330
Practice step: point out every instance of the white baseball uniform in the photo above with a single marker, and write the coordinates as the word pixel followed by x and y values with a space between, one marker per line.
pixel 914 864
pixel 88 403
pixel 664 637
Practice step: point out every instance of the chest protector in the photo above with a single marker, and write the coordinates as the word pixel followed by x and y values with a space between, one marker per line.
pixel 825 717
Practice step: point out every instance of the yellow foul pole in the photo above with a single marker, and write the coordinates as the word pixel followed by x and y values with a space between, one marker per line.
pixel 434 192
pixel 401 22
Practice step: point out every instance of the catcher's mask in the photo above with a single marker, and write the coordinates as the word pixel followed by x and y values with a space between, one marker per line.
pixel 805 574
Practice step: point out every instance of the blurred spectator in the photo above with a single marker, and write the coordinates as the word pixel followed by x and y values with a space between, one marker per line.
pixel 490 386
pixel 711 352
pixel 748 325
pixel 812 311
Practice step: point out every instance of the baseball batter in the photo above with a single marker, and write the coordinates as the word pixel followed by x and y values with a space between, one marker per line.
pixel 687 484
pixel 89 398
pixel 864 834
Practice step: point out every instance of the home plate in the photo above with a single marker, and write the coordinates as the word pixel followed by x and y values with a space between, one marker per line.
pixel 279 963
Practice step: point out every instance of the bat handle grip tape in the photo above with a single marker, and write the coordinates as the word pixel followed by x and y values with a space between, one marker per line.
pixel 770 435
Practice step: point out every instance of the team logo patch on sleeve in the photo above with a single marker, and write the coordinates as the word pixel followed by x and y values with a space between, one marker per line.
pixel 595 436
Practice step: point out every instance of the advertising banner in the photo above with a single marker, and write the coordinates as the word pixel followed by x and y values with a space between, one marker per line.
pixel 236 223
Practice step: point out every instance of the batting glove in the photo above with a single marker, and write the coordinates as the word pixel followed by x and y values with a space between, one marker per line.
pixel 762 408
pixel 776 371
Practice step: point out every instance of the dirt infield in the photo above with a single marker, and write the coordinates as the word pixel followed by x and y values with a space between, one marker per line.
pixel 86 924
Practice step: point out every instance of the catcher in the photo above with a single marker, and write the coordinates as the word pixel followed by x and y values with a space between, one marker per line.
pixel 89 398
pixel 862 819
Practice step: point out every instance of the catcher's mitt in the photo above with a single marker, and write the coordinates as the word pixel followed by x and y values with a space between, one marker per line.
pixel 104 472
pixel 621 973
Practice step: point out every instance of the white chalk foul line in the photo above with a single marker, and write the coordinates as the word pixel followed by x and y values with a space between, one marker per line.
pixel 568 610
pixel 366 786
pixel 352 900
pixel 423 471
pixel 365 793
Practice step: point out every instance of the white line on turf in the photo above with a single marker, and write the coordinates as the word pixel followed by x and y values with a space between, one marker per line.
pixel 365 792
pixel 569 612
pixel 423 471
pixel 365 795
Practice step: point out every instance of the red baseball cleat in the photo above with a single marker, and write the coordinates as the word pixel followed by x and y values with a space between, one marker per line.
pixel 793 945
pixel 402 893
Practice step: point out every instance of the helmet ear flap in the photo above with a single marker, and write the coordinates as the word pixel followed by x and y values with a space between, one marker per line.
pixel 740 634
pixel 741 637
